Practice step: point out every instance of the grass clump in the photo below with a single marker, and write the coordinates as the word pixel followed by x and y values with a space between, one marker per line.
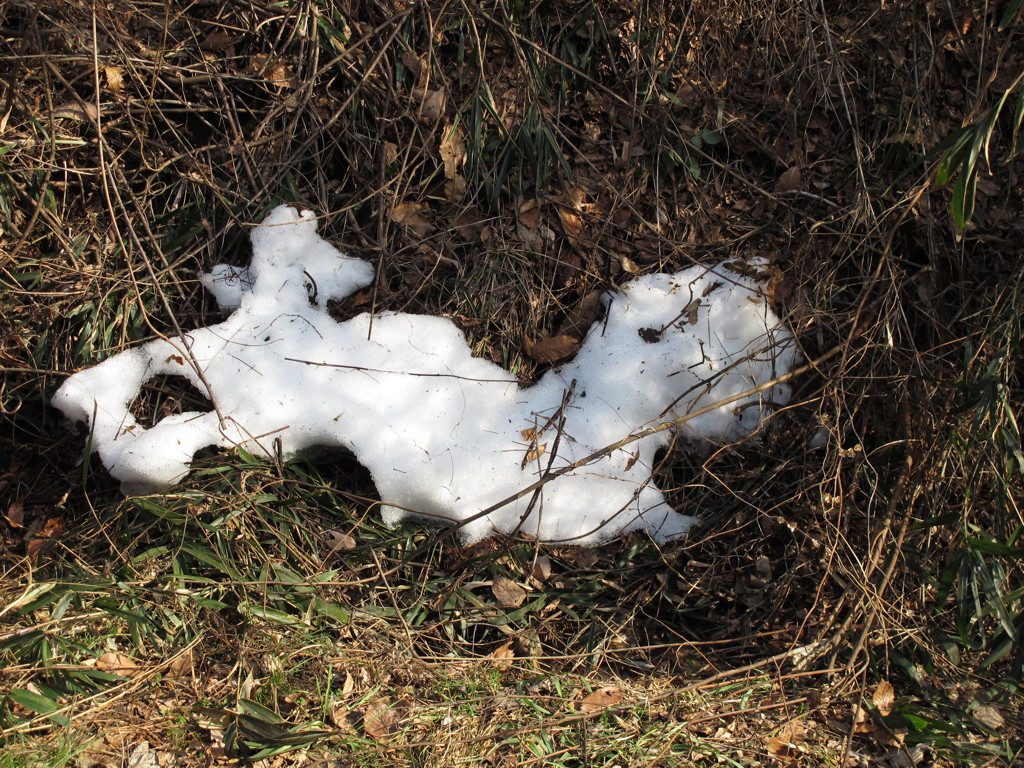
pixel 854 593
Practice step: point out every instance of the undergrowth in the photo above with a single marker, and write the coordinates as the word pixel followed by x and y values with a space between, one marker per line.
pixel 853 596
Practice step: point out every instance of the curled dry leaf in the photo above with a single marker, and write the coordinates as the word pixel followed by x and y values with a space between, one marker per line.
pixel 182 665
pixel 542 568
pixel 552 349
pixel 785 746
pixel 582 316
pixel 114 77
pixel 116 663
pixel 884 697
pixel 339 542
pixel 382 719
pixel 601 699
pixel 508 593
pixel 217 41
pixel 535 452
pixel 16 514
pixel 408 215
pixel 431 103
pixel 52 530
pixel 77 110
pixel 989 716
pixel 571 223
pixel 791 180
pixel 503 655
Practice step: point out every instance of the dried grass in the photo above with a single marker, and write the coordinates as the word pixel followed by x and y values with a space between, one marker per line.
pixel 539 153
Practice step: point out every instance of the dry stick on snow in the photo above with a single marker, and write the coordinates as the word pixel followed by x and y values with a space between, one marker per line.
pixel 556 473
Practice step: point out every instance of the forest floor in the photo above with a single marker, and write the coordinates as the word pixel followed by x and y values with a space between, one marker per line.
pixel 853 595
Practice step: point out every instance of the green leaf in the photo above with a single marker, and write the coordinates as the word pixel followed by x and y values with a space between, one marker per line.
pixel 38 704
pixel 994 548
pixel 271 614
pixel 1011 11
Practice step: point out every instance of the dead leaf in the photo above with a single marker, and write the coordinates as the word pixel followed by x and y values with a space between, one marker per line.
pixel 583 558
pixel 552 349
pixel 408 215
pixel 529 216
pixel 601 699
pixel 432 103
pixel 412 62
pixel 216 42
pixel 883 697
pixel 503 655
pixel 572 224
pixel 381 719
pixel 628 265
pixel 182 666
pixel 860 720
pixel 52 530
pixel 339 542
pixel 785 746
pixel 274 70
pixel 535 452
pixel 542 569
pixel 690 312
pixel 470 225
pixel 77 110
pixel 115 78
pixel 508 593
pixel 16 514
pixel 583 315
pixel 117 663
pixel 790 181
pixel 453 151
pixel 989 716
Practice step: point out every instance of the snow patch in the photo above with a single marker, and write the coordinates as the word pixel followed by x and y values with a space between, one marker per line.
pixel 445 435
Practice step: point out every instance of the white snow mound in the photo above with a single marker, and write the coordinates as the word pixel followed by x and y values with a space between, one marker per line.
pixel 445 435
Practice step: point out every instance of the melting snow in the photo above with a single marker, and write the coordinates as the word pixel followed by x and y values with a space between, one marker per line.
pixel 444 434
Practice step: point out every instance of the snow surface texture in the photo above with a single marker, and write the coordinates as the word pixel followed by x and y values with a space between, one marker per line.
pixel 444 434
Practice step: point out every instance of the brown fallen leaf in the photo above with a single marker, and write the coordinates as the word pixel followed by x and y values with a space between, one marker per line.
pixel 508 593
pixel 572 224
pixel 884 697
pixel 628 265
pixel 470 225
pixel 601 699
pixel 552 349
pixel 790 180
pixel 535 452
pixel 431 103
pixel 503 655
pixel 118 663
pixel 115 78
pixel 182 666
pixel 52 530
pixel 542 569
pixel 453 151
pixel 409 215
pixel 216 42
pixel 583 315
pixel 381 719
pixel 989 716
pixel 339 542
pixel 16 514
pixel 583 558
pixel 77 110
pixel 785 746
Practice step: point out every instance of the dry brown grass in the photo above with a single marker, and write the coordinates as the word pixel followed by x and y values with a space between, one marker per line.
pixel 498 162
